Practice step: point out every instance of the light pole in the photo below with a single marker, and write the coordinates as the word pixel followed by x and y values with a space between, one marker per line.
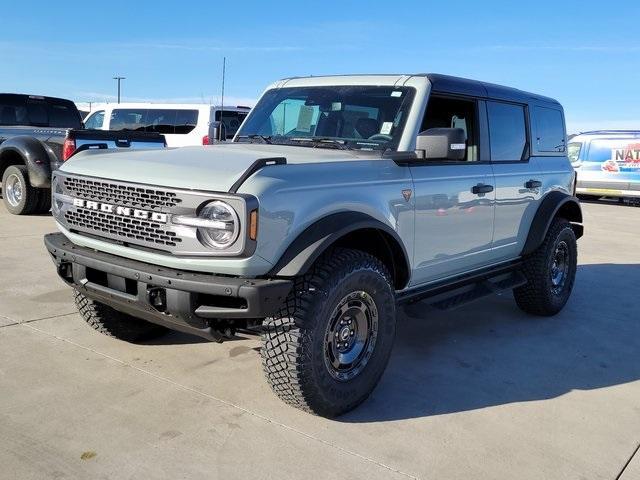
pixel 119 79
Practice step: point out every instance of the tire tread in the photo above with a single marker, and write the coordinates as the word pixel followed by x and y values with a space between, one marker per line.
pixel 113 323
pixel 534 296
pixel 286 336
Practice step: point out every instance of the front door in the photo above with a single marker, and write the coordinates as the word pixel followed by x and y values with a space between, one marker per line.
pixel 454 201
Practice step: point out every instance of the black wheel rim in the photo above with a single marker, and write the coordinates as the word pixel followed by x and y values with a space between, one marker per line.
pixel 351 335
pixel 559 268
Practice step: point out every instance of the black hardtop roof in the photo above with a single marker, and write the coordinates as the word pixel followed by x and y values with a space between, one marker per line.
pixel 463 86
pixel 36 97
pixel 449 84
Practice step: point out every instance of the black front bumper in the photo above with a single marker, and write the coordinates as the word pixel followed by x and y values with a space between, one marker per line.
pixel 181 300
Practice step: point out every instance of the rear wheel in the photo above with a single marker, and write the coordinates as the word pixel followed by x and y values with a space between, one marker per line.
pixel 115 324
pixel 550 272
pixel 326 349
pixel 19 196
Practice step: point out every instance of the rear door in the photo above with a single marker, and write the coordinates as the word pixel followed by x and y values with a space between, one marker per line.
pixel 454 201
pixel 518 180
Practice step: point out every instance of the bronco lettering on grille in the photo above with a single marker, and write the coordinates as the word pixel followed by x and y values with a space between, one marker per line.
pixel 122 211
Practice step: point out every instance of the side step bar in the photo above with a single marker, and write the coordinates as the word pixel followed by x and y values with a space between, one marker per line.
pixel 463 290
pixel 464 295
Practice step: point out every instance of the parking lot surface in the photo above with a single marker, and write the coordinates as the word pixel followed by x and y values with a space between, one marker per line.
pixel 484 391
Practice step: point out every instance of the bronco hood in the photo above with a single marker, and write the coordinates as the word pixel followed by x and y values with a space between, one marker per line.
pixel 212 168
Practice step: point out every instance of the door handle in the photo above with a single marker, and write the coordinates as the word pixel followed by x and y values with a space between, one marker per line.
pixel 533 184
pixel 481 188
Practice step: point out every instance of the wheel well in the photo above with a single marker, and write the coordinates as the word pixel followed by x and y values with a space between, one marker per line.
pixel 382 246
pixel 570 211
pixel 9 158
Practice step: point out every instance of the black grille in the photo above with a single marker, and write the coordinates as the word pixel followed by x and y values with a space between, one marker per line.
pixel 127 228
pixel 139 197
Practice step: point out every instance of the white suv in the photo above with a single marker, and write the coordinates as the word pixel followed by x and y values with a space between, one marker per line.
pixel 181 124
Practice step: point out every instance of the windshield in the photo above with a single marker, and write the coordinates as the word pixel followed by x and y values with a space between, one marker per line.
pixel 357 117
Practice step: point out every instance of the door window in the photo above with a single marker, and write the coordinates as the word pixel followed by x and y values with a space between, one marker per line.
pixel 445 112
pixel 507 131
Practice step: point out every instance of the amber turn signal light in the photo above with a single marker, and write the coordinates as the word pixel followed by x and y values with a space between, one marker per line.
pixel 253 224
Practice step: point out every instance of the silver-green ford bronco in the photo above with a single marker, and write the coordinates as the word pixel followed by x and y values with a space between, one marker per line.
pixel 339 199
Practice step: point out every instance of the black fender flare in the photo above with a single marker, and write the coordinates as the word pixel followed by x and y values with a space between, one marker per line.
pixel 37 157
pixel 321 235
pixel 554 203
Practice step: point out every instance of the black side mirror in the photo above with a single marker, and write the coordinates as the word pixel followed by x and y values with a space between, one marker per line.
pixel 441 144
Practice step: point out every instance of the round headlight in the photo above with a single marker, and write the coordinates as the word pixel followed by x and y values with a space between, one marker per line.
pixel 221 225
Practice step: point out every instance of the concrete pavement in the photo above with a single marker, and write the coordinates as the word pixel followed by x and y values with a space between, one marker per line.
pixel 484 391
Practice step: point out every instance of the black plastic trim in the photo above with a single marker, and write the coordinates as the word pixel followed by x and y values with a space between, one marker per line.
pixel 547 211
pixel 438 289
pixel 261 297
pixel 253 168
pixel 35 154
pixel 318 237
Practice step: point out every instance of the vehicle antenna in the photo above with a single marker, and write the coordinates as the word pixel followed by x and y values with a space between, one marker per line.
pixel 224 65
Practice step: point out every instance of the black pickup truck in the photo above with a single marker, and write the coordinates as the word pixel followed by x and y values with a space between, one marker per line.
pixel 37 134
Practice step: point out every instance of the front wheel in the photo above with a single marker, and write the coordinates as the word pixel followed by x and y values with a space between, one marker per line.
pixel 113 323
pixel 550 272
pixel 327 347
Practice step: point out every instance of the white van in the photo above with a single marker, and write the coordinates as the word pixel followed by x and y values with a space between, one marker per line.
pixel 181 124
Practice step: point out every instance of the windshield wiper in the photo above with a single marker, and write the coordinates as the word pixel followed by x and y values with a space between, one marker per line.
pixel 255 136
pixel 322 142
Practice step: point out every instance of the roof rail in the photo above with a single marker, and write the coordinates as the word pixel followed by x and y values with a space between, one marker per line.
pixel 592 132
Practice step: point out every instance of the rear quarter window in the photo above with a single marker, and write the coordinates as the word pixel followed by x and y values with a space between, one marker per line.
pixel 550 136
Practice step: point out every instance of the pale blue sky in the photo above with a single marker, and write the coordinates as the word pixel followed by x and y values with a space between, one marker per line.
pixel 586 54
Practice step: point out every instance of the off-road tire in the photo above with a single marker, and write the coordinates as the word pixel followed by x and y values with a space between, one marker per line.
pixel 115 324
pixel 293 340
pixel 30 195
pixel 537 296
